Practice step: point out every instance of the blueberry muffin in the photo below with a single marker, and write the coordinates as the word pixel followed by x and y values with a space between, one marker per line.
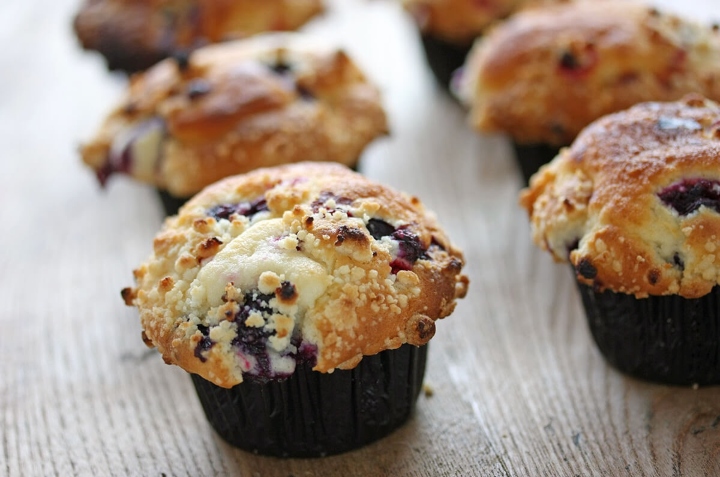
pixel 301 298
pixel 229 108
pixel 634 206
pixel 548 72
pixel 133 35
pixel 449 27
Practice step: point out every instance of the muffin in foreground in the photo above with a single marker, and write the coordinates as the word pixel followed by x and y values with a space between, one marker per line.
pixel 546 73
pixel 301 297
pixel 634 205
pixel 134 35
pixel 233 107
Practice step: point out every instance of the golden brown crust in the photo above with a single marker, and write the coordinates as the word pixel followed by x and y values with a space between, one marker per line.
pixel 354 268
pixel 238 106
pixel 546 73
pixel 610 201
pixel 133 35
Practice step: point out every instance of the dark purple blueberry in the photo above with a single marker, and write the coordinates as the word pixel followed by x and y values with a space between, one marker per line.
pixel 280 67
pixel 120 157
pixel 285 71
pixel 248 209
pixel 410 246
pixel 586 269
pixel 666 123
pixel 307 353
pixel 569 61
pixel 324 197
pixel 577 63
pixel 252 339
pixel 117 163
pixel 379 228
pixel 182 58
pixel 204 344
pixel 198 87
pixel 409 251
pixel 678 262
pixel 223 211
pixel 400 264
pixel 687 196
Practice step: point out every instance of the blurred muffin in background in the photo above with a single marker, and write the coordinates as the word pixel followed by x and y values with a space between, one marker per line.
pixel 133 35
pixel 233 107
pixel 449 27
pixel 546 73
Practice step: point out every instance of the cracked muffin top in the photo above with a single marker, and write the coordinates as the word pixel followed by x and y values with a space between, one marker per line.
pixel 233 107
pixel 309 261
pixel 634 203
pixel 548 72
pixel 133 35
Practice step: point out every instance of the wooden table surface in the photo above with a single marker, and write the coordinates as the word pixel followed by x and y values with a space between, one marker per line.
pixel 518 386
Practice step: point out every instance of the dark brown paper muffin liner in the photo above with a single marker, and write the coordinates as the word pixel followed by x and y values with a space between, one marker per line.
pixel 170 203
pixel 666 339
pixel 129 62
pixel 314 414
pixel 530 157
pixel 444 58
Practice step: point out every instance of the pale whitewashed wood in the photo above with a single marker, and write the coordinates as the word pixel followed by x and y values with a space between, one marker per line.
pixel 518 387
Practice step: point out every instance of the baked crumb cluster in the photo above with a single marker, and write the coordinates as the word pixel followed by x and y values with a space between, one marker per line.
pixel 546 73
pixel 634 203
pixel 133 35
pixel 308 262
pixel 231 108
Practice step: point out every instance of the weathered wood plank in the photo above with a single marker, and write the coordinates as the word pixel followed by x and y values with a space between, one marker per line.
pixel 518 386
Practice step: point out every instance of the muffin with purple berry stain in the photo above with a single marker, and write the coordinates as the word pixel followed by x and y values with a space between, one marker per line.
pixel 301 298
pixel 634 206
pixel 230 108
pixel 546 73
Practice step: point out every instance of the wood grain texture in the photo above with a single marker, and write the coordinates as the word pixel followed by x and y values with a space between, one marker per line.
pixel 518 386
